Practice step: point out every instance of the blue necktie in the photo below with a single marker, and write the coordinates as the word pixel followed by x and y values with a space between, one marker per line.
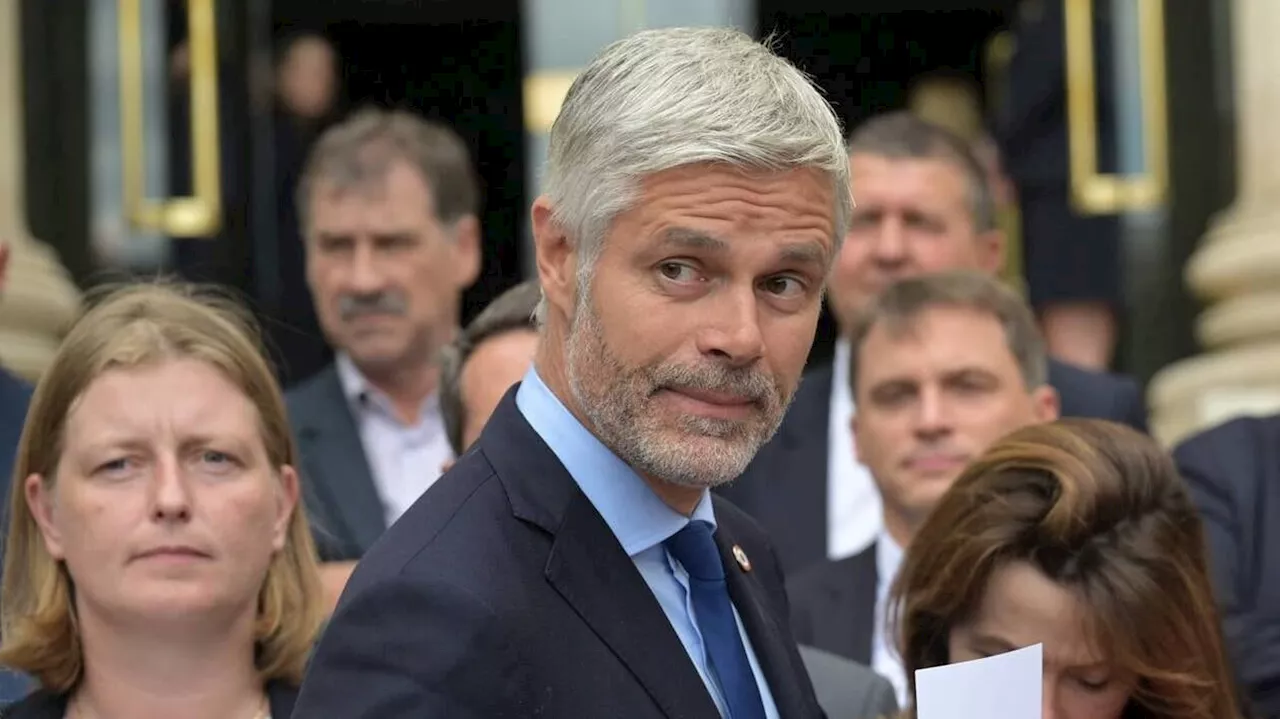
pixel 696 551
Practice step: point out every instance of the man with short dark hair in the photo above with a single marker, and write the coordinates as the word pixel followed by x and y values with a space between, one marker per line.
pixel 923 206
pixel 941 366
pixel 489 356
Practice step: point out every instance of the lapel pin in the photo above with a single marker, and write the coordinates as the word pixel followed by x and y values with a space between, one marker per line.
pixel 741 556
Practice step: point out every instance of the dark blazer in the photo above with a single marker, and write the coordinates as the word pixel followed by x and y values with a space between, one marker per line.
pixel 833 605
pixel 785 487
pixel 342 501
pixel 503 593
pixel 1233 474
pixel 41 704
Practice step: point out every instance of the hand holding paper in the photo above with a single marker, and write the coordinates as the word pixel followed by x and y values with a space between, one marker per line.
pixel 1006 686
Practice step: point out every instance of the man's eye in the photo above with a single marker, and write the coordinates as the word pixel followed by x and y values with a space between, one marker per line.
pixel 783 286
pixel 677 271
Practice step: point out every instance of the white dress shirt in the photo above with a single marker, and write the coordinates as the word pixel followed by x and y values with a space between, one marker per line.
pixel 885 659
pixel 854 514
pixel 404 460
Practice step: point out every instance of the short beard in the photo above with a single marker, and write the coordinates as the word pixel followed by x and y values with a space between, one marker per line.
pixel 695 452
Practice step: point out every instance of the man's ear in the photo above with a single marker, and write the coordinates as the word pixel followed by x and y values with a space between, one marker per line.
pixel 466 250
pixel 557 257
pixel 992 246
pixel 1046 404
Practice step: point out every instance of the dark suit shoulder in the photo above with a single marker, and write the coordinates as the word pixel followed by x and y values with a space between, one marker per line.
pixel 1232 456
pixel 312 392
pixel 464 512
pixel 832 577
pixel 1241 433
pixel 1100 395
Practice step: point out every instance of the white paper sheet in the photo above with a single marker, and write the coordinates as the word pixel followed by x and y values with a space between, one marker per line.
pixel 1006 686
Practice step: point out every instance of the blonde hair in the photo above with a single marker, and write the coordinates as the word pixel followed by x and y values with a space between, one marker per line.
pixel 129 327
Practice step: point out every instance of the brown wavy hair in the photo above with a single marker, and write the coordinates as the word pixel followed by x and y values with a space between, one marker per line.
pixel 129 327
pixel 1099 509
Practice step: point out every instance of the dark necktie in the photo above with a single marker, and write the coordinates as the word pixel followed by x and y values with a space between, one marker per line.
pixel 696 551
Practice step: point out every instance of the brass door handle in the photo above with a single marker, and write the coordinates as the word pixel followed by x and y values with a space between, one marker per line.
pixel 200 214
pixel 1094 193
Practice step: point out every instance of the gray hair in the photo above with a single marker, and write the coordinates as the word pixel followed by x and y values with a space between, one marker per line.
pixel 363 148
pixel 513 310
pixel 668 98
pixel 904 136
pixel 902 303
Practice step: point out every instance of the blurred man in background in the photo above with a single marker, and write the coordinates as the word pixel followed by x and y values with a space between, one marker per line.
pixel 392 239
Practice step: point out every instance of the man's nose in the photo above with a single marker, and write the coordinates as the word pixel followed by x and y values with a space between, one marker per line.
pixel 933 417
pixel 890 247
pixel 733 332
pixel 366 274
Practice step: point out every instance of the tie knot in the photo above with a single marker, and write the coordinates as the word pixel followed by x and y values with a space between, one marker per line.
pixel 695 548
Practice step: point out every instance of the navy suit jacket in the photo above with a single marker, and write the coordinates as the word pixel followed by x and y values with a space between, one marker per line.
pixel 342 501
pixel 785 488
pixel 1233 475
pixel 503 593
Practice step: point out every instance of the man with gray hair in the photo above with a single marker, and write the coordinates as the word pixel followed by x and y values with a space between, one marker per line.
pixel 388 204
pixel 941 366
pixel 573 563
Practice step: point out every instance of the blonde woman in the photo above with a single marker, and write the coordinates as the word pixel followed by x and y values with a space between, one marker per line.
pixel 158 564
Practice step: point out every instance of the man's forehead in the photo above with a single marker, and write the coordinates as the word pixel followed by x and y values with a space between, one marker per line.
pixel 935 344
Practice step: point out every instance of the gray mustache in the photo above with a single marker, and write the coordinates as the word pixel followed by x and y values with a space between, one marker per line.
pixel 382 303
pixel 716 378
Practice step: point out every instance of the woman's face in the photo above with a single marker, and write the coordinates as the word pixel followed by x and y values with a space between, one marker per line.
pixel 1022 607
pixel 164 505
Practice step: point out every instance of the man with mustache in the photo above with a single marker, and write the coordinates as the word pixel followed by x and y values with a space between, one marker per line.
pixel 573 562
pixel 388 203
pixel 941 366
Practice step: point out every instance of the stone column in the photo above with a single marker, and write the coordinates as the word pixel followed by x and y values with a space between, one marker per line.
pixel 563 36
pixel 1236 269
pixel 39 299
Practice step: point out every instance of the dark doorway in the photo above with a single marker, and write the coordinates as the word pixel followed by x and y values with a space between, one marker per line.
pixel 864 56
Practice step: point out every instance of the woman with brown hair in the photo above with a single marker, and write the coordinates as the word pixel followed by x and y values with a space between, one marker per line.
pixel 1076 535
pixel 157 563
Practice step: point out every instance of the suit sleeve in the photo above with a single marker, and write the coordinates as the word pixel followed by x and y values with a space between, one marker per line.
pixel 1212 465
pixel 400 649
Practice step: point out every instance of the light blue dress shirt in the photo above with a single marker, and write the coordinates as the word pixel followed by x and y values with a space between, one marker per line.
pixel 639 519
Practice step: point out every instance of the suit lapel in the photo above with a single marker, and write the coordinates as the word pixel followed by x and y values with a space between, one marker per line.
pixel 589 569
pixel 336 464
pixel 778 657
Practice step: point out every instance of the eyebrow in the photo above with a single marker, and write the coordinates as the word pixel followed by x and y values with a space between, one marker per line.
pixel 807 252
pixel 992 642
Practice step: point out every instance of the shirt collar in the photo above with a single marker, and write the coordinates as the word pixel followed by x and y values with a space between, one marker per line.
pixel 888 560
pixel 361 393
pixel 841 391
pixel 637 517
